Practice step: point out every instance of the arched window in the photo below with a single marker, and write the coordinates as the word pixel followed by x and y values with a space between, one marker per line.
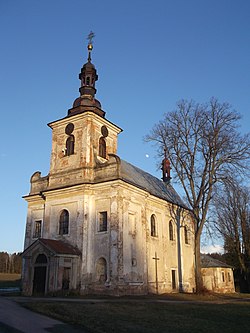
pixel 41 259
pixel 87 80
pixel 102 147
pixel 153 226
pixel 171 231
pixel 186 235
pixel 101 270
pixel 70 145
pixel 64 223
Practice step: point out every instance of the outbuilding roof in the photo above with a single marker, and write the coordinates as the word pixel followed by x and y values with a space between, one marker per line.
pixel 207 262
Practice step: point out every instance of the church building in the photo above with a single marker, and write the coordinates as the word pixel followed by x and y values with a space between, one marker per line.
pixel 97 224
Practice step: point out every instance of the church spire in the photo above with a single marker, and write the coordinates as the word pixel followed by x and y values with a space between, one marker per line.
pixel 88 75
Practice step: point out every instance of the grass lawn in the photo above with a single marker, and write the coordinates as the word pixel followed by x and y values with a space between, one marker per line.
pixel 144 315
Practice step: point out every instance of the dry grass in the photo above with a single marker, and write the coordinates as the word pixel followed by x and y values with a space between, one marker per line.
pixel 9 277
pixel 10 280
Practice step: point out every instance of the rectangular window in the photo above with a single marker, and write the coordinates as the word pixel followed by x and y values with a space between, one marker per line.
pixel 223 276
pixel 37 229
pixel 103 221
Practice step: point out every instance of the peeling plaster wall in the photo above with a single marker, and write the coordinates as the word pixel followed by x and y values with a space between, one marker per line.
pixel 87 132
pixel 127 246
pixel 213 279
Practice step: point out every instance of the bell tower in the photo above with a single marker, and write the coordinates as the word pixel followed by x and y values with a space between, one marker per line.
pixel 84 137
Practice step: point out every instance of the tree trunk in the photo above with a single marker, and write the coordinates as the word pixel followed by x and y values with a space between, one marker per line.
pixel 198 276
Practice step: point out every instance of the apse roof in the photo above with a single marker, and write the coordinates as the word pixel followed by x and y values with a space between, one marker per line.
pixel 149 183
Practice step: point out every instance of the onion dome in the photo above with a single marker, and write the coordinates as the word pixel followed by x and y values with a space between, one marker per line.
pixel 88 77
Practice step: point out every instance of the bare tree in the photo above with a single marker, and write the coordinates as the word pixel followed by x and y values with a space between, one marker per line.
pixel 233 223
pixel 204 145
pixel 4 262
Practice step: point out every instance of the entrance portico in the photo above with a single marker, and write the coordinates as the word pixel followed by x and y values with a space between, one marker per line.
pixel 51 265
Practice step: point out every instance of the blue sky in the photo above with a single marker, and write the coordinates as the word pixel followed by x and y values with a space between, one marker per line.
pixel 148 54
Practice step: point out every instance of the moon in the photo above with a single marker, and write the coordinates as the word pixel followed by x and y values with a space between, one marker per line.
pixel 147 155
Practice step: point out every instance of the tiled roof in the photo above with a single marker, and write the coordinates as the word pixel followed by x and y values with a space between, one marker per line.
pixel 149 183
pixel 59 247
pixel 207 262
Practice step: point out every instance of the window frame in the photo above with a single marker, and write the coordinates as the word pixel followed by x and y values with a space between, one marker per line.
pixel 153 226
pixel 70 145
pixel 37 234
pixel 102 222
pixel 171 230
pixel 64 222
pixel 102 148
pixel 186 235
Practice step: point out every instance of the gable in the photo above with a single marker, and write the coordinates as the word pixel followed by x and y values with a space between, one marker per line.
pixel 53 247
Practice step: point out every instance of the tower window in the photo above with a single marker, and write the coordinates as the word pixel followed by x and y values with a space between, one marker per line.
pixel 70 145
pixel 102 147
pixel 171 231
pixel 103 221
pixel 64 223
pixel 153 226
pixel 37 229
pixel 87 80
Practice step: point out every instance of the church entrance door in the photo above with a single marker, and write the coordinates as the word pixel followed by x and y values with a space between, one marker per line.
pixel 40 273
